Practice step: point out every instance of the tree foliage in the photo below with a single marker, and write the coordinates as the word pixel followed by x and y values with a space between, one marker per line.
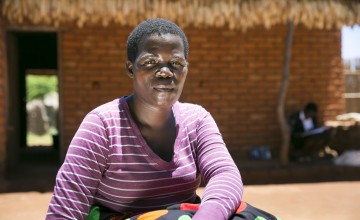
pixel 37 86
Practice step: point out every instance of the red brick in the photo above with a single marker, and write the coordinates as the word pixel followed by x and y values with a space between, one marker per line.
pixel 235 75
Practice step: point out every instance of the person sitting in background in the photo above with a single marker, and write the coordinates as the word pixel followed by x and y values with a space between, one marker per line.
pixel 307 137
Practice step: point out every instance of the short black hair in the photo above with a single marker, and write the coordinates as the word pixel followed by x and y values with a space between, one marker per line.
pixel 150 27
pixel 311 106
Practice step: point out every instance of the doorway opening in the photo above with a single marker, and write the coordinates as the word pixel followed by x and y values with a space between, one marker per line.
pixel 42 105
pixel 350 52
pixel 33 105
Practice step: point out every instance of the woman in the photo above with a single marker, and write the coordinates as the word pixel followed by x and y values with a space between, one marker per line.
pixel 147 151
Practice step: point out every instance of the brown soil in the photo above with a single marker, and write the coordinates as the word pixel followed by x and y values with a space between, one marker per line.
pixel 327 200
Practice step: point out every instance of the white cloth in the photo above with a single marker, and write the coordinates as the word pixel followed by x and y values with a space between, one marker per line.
pixel 308 123
pixel 348 158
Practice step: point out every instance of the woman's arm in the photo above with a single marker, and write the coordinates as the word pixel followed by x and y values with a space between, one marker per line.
pixel 224 186
pixel 79 175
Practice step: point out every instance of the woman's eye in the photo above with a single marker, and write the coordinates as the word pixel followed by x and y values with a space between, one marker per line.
pixel 150 62
pixel 176 64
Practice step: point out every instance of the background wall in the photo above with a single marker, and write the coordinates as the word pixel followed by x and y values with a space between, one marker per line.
pixel 2 100
pixel 235 75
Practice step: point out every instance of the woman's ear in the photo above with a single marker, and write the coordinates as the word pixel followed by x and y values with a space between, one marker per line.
pixel 129 69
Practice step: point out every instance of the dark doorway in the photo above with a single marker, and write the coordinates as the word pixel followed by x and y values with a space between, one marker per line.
pixel 32 62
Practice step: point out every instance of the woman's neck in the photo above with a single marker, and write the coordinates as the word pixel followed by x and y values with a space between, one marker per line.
pixel 149 116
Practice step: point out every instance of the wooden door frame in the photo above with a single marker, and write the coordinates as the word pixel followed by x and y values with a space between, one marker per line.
pixel 12 76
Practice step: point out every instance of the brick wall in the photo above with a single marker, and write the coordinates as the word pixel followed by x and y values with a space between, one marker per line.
pixel 237 75
pixel 2 101
pixel 234 75
pixel 317 68
pixel 92 72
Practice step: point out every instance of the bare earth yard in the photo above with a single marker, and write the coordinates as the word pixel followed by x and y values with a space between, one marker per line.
pixel 329 200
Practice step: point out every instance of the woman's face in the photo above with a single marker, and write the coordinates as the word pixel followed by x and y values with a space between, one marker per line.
pixel 159 70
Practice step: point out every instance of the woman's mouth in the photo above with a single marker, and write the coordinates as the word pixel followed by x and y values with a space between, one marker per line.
pixel 164 88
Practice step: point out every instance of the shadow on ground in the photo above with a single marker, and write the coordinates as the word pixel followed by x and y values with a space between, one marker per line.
pixel 320 170
pixel 36 171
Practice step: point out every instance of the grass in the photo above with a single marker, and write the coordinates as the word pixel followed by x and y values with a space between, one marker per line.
pixel 38 140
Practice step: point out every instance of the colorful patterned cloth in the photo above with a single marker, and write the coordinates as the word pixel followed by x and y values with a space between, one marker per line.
pixel 183 211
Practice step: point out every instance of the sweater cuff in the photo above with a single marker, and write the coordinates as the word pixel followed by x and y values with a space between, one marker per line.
pixel 210 211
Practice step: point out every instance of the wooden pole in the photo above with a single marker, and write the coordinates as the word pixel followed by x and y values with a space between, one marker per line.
pixel 285 131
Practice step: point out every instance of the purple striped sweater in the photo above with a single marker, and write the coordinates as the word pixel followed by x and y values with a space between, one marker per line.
pixel 109 163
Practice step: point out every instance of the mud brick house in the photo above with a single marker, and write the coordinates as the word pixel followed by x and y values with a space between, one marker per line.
pixel 236 61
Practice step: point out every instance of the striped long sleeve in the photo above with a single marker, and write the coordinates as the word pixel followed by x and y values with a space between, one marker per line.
pixel 223 191
pixel 109 163
pixel 79 176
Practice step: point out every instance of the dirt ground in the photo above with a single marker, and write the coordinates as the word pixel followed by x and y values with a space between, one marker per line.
pixel 332 200
pixel 329 200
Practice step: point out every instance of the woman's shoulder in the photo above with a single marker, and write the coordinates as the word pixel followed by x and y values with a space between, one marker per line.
pixel 112 107
pixel 185 106
pixel 190 110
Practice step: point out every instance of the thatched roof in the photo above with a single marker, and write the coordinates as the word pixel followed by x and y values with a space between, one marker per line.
pixel 234 14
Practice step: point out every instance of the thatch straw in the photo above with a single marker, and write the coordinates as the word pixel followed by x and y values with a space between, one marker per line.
pixel 234 14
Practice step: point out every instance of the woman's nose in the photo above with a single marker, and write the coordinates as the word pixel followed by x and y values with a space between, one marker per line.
pixel 164 72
